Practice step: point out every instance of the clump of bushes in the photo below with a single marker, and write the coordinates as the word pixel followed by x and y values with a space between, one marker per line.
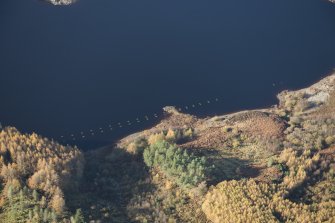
pixel 330 140
pixel 299 166
pixel 137 146
pixel 185 168
pixel 311 134
pixel 305 193
pixel 296 103
pixel 172 135
pixel 239 201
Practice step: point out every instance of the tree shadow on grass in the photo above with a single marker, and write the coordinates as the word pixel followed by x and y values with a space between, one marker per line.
pixel 223 167
pixel 110 175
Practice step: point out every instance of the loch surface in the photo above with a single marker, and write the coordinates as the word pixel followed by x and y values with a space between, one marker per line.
pixel 66 70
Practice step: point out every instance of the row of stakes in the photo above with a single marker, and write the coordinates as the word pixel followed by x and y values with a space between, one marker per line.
pixel 110 128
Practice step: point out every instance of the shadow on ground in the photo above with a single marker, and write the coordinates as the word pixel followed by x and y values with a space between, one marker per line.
pixel 110 175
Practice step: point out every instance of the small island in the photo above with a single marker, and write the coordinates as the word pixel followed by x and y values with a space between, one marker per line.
pixel 61 2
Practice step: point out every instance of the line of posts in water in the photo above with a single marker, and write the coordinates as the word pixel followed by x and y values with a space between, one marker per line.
pixel 93 132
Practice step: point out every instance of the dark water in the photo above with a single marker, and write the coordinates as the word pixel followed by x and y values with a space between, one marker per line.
pixel 64 70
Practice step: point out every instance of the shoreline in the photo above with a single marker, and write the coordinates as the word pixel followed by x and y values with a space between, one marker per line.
pixel 316 93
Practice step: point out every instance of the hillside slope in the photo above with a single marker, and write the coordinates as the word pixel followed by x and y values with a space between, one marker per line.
pixel 280 158
pixel 262 165
pixel 35 174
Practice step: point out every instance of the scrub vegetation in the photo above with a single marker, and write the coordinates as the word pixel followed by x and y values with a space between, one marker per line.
pixel 269 165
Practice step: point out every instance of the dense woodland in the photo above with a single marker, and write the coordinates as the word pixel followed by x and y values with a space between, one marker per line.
pixel 276 165
pixel 35 175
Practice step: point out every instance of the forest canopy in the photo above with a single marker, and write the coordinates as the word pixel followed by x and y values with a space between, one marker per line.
pixel 35 174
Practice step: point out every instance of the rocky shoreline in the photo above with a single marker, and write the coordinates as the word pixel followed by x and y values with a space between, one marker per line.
pixel 312 98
